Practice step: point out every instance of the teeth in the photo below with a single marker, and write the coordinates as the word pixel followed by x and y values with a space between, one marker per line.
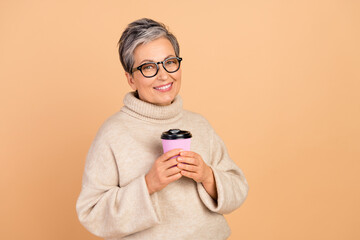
pixel 164 87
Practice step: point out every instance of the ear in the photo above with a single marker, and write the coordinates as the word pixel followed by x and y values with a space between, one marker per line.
pixel 130 80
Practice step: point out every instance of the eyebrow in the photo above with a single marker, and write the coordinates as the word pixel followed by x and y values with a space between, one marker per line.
pixel 150 60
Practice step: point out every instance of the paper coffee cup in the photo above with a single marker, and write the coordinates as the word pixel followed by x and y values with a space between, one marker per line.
pixel 176 138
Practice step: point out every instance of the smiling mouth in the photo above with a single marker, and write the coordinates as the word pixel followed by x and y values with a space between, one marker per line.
pixel 164 87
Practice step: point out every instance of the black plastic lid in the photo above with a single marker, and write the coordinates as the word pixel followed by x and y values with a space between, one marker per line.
pixel 176 134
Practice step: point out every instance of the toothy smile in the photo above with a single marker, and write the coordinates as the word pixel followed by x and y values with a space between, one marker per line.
pixel 164 87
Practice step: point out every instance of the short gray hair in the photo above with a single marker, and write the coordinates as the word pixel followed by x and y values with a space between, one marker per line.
pixel 140 32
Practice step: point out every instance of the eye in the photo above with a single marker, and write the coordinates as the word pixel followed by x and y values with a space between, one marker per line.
pixel 171 61
pixel 148 67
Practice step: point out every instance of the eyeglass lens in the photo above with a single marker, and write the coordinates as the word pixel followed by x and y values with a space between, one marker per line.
pixel 170 65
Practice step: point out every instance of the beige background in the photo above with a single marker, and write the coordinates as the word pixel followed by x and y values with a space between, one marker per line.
pixel 278 80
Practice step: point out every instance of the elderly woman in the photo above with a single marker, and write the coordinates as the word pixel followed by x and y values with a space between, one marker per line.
pixel 131 189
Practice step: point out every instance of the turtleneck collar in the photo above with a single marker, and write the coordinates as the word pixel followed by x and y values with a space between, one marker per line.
pixel 151 112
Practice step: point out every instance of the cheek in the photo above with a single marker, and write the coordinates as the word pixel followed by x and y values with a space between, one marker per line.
pixel 143 83
pixel 177 76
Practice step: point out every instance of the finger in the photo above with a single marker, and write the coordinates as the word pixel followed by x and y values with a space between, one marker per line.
pixel 187 167
pixel 188 174
pixel 170 163
pixel 170 154
pixel 172 171
pixel 187 160
pixel 174 177
pixel 188 154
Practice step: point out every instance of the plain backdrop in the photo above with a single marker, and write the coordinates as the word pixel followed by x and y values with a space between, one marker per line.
pixel 278 80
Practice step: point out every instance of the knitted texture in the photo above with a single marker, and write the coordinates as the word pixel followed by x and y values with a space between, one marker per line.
pixel 114 202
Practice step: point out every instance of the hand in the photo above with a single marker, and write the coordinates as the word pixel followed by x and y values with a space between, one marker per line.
pixel 163 171
pixel 193 166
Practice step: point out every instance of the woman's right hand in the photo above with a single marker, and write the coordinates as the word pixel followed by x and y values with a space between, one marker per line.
pixel 163 171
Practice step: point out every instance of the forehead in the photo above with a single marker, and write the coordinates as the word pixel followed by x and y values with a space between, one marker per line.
pixel 156 50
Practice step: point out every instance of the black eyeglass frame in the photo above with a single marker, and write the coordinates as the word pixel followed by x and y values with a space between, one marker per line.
pixel 157 66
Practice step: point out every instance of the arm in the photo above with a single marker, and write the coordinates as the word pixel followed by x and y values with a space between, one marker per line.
pixel 231 185
pixel 106 209
pixel 193 166
pixel 210 185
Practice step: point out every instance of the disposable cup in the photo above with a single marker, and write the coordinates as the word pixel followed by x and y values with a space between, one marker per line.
pixel 176 138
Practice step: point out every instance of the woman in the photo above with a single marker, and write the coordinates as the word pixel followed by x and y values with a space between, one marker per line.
pixel 131 190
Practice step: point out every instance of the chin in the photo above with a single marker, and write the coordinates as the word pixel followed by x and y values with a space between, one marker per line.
pixel 166 101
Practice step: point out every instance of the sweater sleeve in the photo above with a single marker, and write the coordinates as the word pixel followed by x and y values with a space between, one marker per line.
pixel 106 209
pixel 232 187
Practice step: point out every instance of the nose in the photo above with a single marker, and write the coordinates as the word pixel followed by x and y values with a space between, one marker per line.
pixel 162 74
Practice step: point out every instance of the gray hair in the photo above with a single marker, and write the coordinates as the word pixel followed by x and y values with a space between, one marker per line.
pixel 139 32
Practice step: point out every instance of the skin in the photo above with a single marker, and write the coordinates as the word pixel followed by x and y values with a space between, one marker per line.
pixel 155 51
pixel 165 168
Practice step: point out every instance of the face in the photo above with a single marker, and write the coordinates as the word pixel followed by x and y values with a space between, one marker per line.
pixel 163 87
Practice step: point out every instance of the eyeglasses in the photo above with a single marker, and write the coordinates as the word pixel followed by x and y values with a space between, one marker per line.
pixel 150 69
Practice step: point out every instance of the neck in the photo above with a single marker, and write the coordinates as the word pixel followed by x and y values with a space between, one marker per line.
pixel 151 112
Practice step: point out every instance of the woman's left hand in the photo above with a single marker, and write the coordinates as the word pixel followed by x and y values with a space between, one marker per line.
pixel 193 166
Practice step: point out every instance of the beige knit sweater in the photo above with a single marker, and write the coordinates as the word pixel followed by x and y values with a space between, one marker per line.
pixel 114 202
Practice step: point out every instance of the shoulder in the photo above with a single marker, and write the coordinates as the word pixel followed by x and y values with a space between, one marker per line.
pixel 197 119
pixel 113 127
pixel 195 116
